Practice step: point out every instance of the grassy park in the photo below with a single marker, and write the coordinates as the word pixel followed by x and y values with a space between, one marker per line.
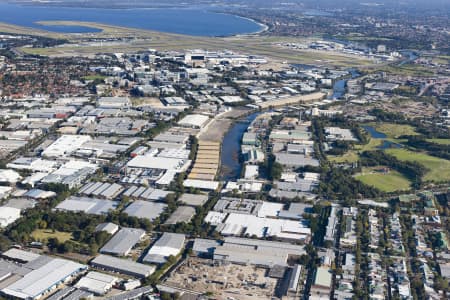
pixel 46 234
pixel 392 181
pixel 394 130
pixel 439 141
pixel 438 168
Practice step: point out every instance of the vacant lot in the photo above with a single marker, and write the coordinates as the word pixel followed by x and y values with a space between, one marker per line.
pixel 391 181
pixel 438 168
pixel 46 234
pixel 228 281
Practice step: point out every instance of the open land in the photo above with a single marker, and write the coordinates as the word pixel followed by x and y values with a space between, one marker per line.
pixel 391 181
pixel 394 130
pixel 440 141
pixel 225 281
pixel 438 168
pixel 129 40
pixel 45 234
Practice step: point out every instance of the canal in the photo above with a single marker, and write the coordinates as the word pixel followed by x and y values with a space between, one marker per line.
pixel 231 162
pixel 339 86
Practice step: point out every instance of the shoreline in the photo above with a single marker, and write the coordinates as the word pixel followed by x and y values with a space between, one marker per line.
pixel 48 27
pixel 263 26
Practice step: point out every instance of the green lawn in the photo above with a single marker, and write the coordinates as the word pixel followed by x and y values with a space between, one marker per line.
pixel 349 157
pixel 404 70
pixel 394 130
pixel 438 168
pixel 439 141
pixel 353 155
pixel 45 234
pixel 390 182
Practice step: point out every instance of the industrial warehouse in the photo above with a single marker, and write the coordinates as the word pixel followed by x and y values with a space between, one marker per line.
pixel 37 276
pixel 318 172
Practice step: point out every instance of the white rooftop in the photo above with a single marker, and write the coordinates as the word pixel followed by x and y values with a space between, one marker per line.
pixel 162 163
pixel 195 120
pixel 42 279
pixel 65 145
pixel 8 215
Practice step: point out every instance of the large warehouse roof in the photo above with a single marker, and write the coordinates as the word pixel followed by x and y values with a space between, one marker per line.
pixel 88 205
pixel 145 209
pixel 123 241
pixel 194 199
pixel 163 163
pixel 20 255
pixel 97 283
pixel 201 184
pixel 40 280
pixel 8 215
pixel 123 266
pixel 181 214
pixel 168 244
pixel 65 145
pixel 196 120
pixel 266 253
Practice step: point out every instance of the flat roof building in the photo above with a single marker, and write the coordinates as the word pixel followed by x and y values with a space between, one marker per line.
pixel 123 241
pixel 145 209
pixel 43 277
pixel 201 184
pixel 110 228
pixel 183 214
pixel 113 102
pixel 162 163
pixel 168 244
pixel 321 287
pixel 8 215
pixel 65 145
pixel 295 278
pixel 97 283
pixel 193 199
pixel 20 255
pixel 87 205
pixel 123 266
pixel 194 121
pixel 248 251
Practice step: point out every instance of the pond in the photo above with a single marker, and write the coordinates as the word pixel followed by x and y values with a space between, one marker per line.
pixel 389 145
pixel 374 133
pixel 386 144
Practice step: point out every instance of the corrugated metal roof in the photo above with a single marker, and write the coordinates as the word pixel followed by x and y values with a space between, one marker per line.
pixel 123 241
pixel 42 279
pixel 123 265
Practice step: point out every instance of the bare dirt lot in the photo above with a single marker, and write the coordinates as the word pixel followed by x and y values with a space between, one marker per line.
pixel 220 125
pixel 223 281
